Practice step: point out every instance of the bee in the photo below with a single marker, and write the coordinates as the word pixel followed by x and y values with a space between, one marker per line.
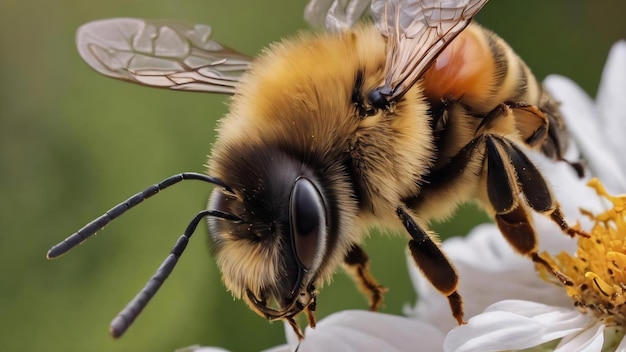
pixel 391 123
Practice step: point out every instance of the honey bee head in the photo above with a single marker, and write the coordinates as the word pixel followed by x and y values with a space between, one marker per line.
pixel 287 241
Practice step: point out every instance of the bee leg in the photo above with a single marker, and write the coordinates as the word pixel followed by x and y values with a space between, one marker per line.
pixel 507 170
pixel 536 192
pixel 310 313
pixel 294 325
pixel 516 227
pixel 356 263
pixel 433 263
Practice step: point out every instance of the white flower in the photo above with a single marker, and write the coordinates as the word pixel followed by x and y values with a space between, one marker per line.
pixel 523 311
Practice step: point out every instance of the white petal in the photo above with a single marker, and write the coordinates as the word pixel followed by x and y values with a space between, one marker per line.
pixel 356 330
pixel 611 101
pixel 590 339
pixel 584 123
pixel 514 324
pixel 198 348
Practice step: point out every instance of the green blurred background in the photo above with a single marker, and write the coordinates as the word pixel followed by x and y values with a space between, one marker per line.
pixel 73 143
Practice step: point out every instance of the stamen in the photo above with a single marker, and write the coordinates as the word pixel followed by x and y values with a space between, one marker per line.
pixel 598 270
pixel 601 285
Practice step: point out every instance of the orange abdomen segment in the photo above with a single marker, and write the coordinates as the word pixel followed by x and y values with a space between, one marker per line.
pixel 465 70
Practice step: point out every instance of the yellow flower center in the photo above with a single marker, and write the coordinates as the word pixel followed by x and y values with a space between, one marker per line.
pixel 598 270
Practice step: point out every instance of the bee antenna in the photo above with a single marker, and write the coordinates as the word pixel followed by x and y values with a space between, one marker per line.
pixel 96 225
pixel 126 316
pixel 225 215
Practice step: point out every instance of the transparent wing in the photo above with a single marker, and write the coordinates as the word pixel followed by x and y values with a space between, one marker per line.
pixel 335 15
pixel 166 54
pixel 417 32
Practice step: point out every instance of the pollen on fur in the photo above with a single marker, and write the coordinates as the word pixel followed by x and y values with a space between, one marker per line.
pixel 598 269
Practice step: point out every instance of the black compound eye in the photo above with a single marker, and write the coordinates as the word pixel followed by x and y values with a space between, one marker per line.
pixel 308 222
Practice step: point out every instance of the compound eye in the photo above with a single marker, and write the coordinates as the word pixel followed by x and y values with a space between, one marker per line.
pixel 308 223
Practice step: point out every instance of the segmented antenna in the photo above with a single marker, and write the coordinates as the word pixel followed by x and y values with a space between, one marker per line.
pixel 96 225
pixel 125 318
